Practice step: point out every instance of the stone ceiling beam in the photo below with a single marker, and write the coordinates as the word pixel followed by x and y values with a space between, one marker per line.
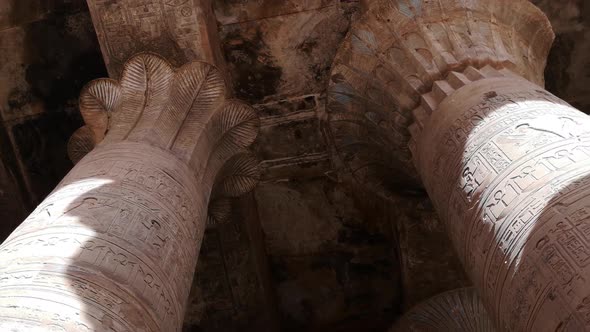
pixel 179 30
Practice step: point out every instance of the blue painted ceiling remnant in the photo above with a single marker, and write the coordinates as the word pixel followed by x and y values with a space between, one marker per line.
pixel 410 8
pixel 363 42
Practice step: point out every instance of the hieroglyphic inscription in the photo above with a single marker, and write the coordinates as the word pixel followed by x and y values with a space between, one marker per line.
pixel 516 200
pixel 455 310
pixel 113 199
pixel 130 217
pixel 180 30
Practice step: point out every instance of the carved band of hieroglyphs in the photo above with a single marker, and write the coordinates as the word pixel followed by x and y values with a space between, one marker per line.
pixel 172 28
pixel 46 286
pixel 127 214
pixel 509 172
pixel 129 218
pixel 104 257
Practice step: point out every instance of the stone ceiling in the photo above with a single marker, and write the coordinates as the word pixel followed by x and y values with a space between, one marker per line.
pixel 304 251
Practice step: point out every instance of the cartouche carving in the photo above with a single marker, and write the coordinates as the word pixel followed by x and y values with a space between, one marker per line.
pixel 114 246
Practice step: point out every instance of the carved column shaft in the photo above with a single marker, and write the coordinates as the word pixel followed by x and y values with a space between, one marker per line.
pixel 454 88
pixel 507 166
pixel 183 31
pixel 115 245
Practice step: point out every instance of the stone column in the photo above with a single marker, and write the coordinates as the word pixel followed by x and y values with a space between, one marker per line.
pixel 455 88
pixel 114 246
pixel 507 166
pixel 459 310
pixel 183 31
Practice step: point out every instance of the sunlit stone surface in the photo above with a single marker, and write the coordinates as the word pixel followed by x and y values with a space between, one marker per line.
pixel 455 89
pixel 507 166
pixel 114 247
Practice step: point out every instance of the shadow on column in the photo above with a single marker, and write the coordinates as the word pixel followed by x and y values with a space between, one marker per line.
pixel 508 167
pixel 115 245
pixel 459 310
